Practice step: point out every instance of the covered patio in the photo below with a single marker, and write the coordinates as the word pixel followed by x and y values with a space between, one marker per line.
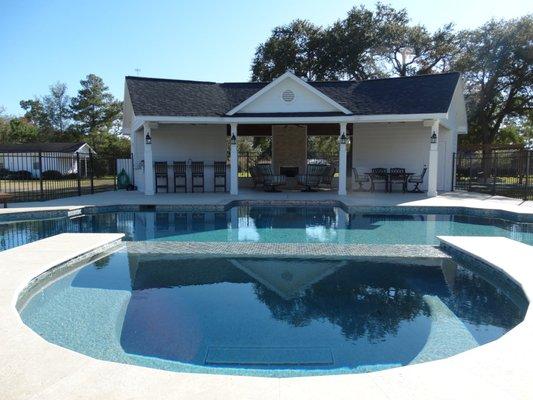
pixel 180 144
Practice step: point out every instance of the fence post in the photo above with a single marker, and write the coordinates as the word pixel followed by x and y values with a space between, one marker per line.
pixel 115 161
pixel 470 174
pixel 78 168
pixel 494 172
pixel 41 186
pixel 528 165
pixel 454 168
pixel 91 165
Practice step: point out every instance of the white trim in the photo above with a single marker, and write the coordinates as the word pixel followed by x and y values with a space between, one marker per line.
pixel 359 119
pixel 277 81
pixel 83 145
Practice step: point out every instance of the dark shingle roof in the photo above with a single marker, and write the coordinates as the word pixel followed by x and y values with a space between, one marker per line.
pixel 54 147
pixel 410 95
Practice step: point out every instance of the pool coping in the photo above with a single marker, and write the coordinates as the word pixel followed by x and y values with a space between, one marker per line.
pixel 34 368
pixel 73 211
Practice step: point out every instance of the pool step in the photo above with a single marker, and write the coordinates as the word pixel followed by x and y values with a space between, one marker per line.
pixel 448 335
pixel 269 356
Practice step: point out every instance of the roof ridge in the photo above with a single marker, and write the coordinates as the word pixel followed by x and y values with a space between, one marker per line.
pixel 146 78
pixel 410 76
pixel 310 82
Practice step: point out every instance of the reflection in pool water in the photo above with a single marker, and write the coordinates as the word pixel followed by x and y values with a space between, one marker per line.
pixel 271 224
pixel 279 317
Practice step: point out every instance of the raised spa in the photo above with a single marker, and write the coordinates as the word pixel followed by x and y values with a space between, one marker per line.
pixel 272 317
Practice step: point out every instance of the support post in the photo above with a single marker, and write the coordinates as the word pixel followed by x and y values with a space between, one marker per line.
pixel 41 187
pixel 234 179
pixel 433 159
pixel 78 175
pixel 343 138
pixel 454 162
pixel 149 183
pixel 91 165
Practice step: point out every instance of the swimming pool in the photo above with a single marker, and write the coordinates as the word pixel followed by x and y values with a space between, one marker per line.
pixel 273 316
pixel 271 225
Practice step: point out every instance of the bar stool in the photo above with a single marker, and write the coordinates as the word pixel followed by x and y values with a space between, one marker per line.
pixel 219 168
pixel 180 173
pixel 161 173
pixel 197 174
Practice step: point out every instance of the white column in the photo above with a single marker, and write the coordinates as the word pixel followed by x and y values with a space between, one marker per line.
pixel 234 167
pixel 149 183
pixel 433 159
pixel 342 159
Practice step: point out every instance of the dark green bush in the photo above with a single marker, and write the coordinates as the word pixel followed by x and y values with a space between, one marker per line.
pixel 52 174
pixel 20 175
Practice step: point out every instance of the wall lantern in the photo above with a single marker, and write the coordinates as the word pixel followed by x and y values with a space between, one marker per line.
pixel 343 139
pixel 148 139
pixel 434 138
pixel 233 139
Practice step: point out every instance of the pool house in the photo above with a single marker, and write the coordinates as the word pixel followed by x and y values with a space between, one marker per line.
pixel 184 134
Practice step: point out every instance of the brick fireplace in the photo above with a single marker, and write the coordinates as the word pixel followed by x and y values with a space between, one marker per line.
pixel 289 148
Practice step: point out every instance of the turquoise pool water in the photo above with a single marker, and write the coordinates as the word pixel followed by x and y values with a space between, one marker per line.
pixel 271 224
pixel 270 317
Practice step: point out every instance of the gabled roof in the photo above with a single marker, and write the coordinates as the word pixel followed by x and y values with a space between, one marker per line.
pixel 53 147
pixel 423 94
pixel 290 76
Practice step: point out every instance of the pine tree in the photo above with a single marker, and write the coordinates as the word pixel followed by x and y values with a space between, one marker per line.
pixel 94 109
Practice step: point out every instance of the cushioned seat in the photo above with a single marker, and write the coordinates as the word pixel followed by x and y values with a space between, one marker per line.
pixel 313 177
pixel 270 181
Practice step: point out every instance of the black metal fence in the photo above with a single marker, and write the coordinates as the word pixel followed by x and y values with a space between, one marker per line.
pixel 44 176
pixel 501 172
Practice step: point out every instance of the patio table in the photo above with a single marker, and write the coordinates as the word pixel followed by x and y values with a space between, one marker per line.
pixel 388 182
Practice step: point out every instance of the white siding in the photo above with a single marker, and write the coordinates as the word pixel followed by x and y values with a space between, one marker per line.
pixel 404 145
pixel 205 143
pixel 304 100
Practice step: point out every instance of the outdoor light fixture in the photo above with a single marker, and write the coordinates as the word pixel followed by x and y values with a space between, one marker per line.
pixel 233 139
pixel 343 139
pixel 148 139
pixel 434 138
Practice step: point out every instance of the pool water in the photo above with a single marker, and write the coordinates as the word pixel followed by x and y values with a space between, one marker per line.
pixel 271 316
pixel 271 224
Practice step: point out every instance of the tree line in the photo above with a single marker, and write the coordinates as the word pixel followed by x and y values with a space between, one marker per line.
pixel 495 61
pixel 93 116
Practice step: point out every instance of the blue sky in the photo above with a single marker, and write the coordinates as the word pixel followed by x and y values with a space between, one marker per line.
pixel 42 42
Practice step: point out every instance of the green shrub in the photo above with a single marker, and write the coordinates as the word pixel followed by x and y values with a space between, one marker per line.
pixel 52 174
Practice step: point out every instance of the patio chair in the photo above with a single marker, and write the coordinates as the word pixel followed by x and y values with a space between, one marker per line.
pixel 398 175
pixel 312 177
pixel 417 180
pixel 161 174
pixel 360 179
pixel 378 175
pixel 5 197
pixel 327 178
pixel 197 175
pixel 270 181
pixel 180 175
pixel 219 172
pixel 256 177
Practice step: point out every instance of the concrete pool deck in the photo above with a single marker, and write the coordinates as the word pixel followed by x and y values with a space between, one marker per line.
pixel 354 199
pixel 35 369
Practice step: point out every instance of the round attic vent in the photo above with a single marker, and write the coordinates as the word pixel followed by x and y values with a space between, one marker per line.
pixel 287 95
